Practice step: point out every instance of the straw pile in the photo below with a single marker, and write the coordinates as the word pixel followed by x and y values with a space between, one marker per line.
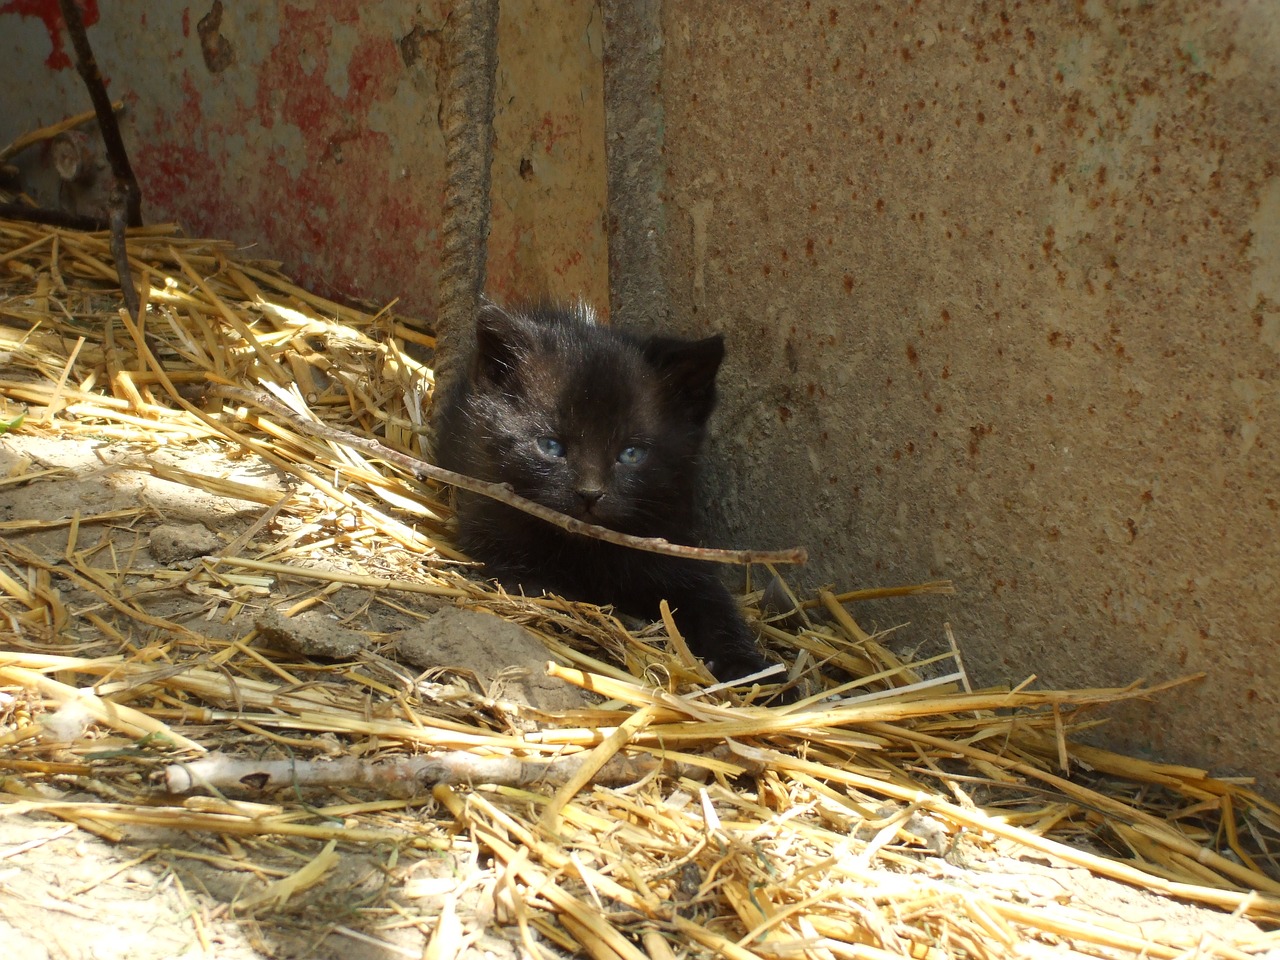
pixel 892 812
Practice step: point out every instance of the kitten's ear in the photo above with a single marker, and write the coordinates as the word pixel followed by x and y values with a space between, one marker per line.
pixel 502 340
pixel 688 369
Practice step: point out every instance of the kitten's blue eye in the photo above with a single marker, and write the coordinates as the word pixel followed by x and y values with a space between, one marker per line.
pixel 551 446
pixel 632 455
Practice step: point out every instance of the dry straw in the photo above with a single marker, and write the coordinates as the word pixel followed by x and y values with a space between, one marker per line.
pixel 891 811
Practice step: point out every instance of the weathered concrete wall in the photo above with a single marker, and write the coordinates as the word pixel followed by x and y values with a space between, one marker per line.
pixel 311 131
pixel 1002 290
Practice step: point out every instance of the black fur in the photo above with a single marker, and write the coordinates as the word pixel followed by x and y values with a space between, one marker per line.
pixel 605 427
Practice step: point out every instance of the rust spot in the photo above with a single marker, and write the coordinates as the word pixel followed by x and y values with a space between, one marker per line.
pixel 217 49
pixel 784 414
pixel 808 247
pixel 912 356
pixel 946 316
pixel 976 433
pixel 419 43
pixel 848 283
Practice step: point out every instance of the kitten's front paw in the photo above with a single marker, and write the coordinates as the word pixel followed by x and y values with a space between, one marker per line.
pixel 732 665
pixel 728 669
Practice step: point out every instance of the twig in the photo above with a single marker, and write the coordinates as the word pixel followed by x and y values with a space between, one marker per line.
pixel 87 64
pixel 120 251
pixel 504 493
pixel 48 133
pixel 221 773
pixel 126 198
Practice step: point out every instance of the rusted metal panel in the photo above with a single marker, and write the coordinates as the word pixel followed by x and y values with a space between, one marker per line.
pixel 311 130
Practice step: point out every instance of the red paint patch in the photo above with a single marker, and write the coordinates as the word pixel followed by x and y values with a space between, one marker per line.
pixel 555 128
pixel 344 224
pixel 49 12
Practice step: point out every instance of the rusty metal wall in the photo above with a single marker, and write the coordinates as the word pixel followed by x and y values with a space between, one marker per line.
pixel 1001 286
pixel 311 131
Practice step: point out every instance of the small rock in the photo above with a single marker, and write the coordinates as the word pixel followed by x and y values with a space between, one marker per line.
pixel 488 646
pixel 310 635
pixel 171 542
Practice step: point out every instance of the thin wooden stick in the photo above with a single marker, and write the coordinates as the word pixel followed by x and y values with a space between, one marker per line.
pixel 87 64
pixel 503 492
pixel 48 133
pixel 125 198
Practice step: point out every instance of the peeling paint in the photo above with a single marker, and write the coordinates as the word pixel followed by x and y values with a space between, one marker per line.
pixel 310 129
pixel 50 14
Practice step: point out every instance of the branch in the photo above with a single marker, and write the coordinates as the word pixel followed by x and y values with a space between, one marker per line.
pixel 120 251
pixel 87 64
pixel 49 132
pixel 221 773
pixel 503 493
pixel 126 198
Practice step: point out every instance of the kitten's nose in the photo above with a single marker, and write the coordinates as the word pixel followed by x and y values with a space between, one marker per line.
pixel 589 496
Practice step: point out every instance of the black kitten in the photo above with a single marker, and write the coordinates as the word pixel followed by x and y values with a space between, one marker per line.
pixel 605 427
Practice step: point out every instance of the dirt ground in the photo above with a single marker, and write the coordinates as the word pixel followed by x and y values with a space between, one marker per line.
pixel 147 893
pixel 139 892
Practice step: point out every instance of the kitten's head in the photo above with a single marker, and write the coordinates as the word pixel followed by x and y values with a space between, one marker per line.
pixel 591 421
